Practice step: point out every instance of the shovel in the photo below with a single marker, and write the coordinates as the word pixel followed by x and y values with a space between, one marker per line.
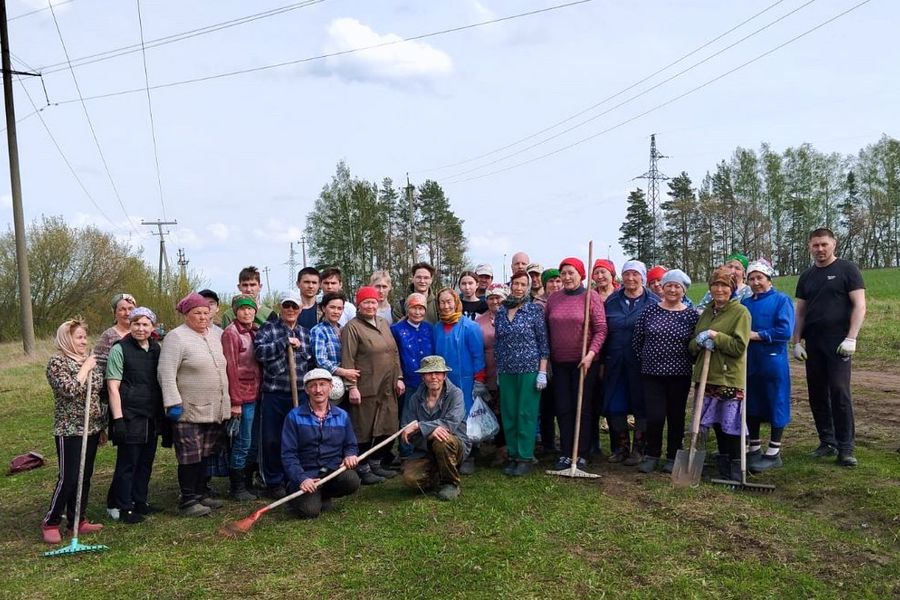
pixel 688 465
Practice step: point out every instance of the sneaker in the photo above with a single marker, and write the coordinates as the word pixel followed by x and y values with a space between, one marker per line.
pixel 510 468
pixel 846 459
pixel 617 456
pixel 448 491
pixel 563 463
pixel 765 462
pixel 468 466
pixel 113 513
pixel 382 472
pixel 370 478
pixel 50 534
pixel 131 517
pixel 194 510
pixel 633 459
pixel 211 502
pixel 522 468
pixel 823 450
pixel 668 466
pixel 648 465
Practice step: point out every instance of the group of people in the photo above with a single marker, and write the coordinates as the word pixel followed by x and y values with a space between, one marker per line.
pixel 291 395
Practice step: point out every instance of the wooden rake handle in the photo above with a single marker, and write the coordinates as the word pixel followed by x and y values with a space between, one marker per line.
pixel 333 474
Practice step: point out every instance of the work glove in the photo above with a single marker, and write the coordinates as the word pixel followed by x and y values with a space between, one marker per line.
pixel 702 337
pixel 847 347
pixel 541 382
pixel 800 351
pixel 709 344
pixel 480 390
pixel 173 413
pixel 117 431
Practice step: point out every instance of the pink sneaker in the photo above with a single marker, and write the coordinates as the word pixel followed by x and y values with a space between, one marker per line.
pixel 51 534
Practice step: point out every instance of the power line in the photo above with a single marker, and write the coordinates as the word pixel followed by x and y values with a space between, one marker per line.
pixel 333 54
pixel 150 110
pixel 667 102
pixel 37 111
pixel 176 37
pixel 91 124
pixel 630 99
pixel 38 10
pixel 608 98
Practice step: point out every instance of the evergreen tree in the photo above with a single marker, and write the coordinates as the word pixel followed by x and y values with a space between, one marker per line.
pixel 677 216
pixel 637 229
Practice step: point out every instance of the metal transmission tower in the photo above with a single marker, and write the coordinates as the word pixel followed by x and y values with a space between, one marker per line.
pixel 266 271
pixel 162 248
pixel 653 177
pixel 292 267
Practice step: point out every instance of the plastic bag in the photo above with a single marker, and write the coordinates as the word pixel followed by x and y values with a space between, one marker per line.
pixel 481 424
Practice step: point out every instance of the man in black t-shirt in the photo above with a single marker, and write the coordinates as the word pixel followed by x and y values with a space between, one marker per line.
pixel 831 307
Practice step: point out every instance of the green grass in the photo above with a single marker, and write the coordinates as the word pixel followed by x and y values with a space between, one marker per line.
pixel 825 532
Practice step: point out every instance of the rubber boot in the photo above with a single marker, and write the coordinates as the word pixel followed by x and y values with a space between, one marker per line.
pixel 736 470
pixel 249 473
pixel 723 464
pixel 622 446
pixel 239 490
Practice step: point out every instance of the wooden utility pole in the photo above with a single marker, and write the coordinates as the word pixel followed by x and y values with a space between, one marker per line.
pixel 266 271
pixel 182 263
pixel 26 317
pixel 303 245
pixel 162 248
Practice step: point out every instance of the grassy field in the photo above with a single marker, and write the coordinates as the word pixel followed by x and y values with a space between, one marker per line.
pixel 825 532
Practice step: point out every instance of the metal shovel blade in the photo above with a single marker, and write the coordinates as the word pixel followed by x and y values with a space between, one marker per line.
pixel 688 468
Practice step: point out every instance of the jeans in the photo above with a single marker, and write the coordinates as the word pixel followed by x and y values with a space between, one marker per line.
pixel 240 443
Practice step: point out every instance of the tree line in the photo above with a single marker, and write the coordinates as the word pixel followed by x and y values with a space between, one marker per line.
pixel 363 226
pixel 764 203
pixel 77 271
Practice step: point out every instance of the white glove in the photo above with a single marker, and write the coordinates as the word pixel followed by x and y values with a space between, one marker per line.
pixel 541 381
pixel 799 351
pixel 847 347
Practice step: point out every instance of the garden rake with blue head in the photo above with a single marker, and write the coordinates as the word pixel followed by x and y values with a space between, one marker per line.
pixel 74 546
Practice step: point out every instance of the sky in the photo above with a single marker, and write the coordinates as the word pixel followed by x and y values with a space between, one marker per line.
pixel 242 158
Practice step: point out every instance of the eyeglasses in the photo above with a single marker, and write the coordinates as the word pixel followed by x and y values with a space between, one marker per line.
pixel 290 306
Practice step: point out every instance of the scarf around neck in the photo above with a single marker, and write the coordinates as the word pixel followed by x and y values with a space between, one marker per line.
pixel 513 302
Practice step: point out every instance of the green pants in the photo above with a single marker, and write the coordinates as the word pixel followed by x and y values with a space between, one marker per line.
pixel 519 401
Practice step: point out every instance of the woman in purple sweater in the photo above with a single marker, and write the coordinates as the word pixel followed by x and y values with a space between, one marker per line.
pixel 565 323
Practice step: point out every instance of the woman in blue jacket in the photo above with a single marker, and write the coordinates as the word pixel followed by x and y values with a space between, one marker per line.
pixel 461 344
pixel 768 374
pixel 623 394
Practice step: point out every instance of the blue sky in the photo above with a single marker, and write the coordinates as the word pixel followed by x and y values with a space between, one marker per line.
pixel 243 158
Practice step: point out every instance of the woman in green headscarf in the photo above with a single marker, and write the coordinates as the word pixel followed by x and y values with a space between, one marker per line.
pixel 737 263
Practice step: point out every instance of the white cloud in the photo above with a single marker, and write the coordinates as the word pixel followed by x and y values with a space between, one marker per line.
pixel 220 231
pixel 410 62
pixel 6 201
pixel 277 231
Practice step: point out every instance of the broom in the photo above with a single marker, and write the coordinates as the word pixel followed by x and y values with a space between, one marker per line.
pixel 573 470
pixel 74 547
pixel 241 527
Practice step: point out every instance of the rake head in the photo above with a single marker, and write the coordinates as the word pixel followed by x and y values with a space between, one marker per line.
pixel 573 472
pixel 242 527
pixel 75 548
pixel 745 486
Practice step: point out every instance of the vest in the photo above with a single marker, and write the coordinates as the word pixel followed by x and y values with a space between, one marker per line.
pixel 140 390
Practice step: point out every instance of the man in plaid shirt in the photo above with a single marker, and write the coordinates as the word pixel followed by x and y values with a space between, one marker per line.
pixel 270 346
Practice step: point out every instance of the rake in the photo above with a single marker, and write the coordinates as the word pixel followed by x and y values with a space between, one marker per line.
pixel 743 484
pixel 573 471
pixel 74 547
pixel 243 526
